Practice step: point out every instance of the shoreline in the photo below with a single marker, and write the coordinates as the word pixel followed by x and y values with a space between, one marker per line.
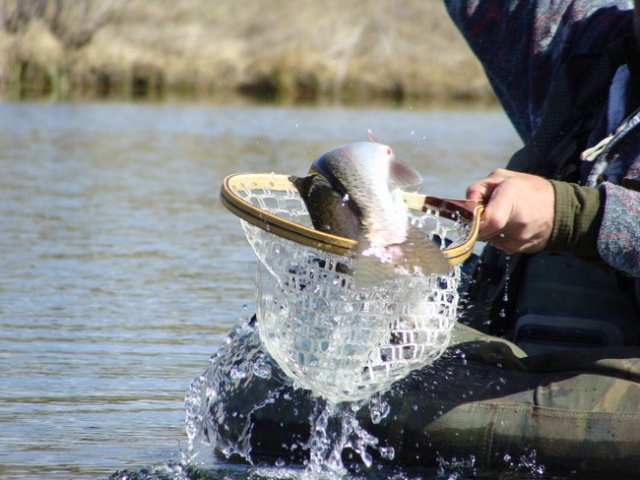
pixel 396 52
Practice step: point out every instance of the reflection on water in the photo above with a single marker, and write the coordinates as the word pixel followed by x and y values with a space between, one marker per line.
pixel 122 273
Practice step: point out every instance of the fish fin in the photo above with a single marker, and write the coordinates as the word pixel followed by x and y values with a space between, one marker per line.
pixel 401 174
pixel 369 271
pixel 304 185
pixel 296 181
pixel 419 252
pixel 418 255
pixel 369 267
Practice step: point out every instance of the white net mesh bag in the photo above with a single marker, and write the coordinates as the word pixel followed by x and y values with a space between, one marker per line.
pixel 339 340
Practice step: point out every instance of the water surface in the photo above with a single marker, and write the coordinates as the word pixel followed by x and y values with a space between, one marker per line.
pixel 121 273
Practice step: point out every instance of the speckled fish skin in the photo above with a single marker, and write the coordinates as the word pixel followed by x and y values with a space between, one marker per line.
pixel 355 191
pixel 329 211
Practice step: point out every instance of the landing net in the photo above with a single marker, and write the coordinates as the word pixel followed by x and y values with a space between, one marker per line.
pixel 343 341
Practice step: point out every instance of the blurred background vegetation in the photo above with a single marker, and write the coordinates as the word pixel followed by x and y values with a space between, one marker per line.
pixel 270 50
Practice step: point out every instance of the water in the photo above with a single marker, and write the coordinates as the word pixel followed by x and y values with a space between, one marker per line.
pixel 121 273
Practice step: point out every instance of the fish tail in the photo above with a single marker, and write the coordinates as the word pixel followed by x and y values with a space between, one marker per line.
pixel 369 271
pixel 418 255
pixel 422 253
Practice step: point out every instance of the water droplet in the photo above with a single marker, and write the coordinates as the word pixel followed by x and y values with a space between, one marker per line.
pixel 261 369
pixel 379 409
pixel 387 453
pixel 237 373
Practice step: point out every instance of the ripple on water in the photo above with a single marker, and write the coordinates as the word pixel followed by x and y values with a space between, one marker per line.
pixel 122 273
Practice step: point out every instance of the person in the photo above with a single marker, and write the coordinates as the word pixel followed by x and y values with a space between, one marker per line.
pixel 521 379
pixel 527 225
pixel 568 204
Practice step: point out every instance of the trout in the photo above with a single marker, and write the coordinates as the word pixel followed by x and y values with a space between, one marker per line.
pixel 355 191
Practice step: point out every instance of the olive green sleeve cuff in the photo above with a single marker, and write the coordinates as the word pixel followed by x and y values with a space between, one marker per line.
pixel 577 219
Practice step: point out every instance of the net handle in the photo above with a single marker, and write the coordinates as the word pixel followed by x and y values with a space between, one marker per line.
pixel 451 208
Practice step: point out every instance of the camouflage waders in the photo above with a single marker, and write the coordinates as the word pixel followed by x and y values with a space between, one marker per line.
pixel 579 411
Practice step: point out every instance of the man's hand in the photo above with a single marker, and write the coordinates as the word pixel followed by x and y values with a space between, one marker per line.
pixel 519 210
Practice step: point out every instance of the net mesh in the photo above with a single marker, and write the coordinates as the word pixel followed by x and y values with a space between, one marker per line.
pixel 339 340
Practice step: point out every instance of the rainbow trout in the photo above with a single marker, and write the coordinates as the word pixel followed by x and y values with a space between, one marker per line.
pixel 355 191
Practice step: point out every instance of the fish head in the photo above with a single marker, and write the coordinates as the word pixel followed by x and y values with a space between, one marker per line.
pixel 354 191
pixel 366 171
pixel 372 177
pixel 351 165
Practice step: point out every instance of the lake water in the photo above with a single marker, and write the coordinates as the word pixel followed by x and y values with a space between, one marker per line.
pixel 121 273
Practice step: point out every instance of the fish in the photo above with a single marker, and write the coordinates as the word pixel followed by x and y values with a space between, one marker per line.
pixel 355 191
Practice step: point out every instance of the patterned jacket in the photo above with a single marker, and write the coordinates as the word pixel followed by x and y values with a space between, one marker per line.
pixel 522 44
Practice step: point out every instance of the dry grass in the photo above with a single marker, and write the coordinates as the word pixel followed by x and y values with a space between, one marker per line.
pixel 306 49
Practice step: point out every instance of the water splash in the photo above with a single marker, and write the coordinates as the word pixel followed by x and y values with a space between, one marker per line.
pixel 208 419
pixel 336 429
pixel 456 469
pixel 242 371
pixel 526 464
pixel 232 406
